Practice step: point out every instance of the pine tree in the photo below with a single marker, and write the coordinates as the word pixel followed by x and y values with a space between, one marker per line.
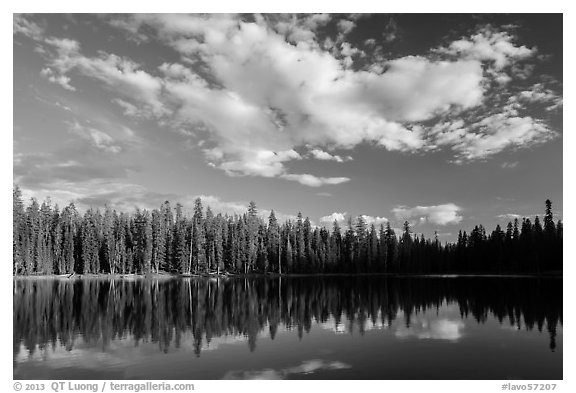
pixel 90 246
pixel 198 242
pixel 109 239
pixel 180 247
pixel 405 248
pixel 309 262
pixel 18 231
pixel 549 228
pixel 274 241
pixel 167 262
pixel 392 249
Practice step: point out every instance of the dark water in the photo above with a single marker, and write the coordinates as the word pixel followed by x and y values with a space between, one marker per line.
pixel 294 328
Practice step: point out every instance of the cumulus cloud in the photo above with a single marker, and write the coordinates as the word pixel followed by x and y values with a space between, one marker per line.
pixel 501 131
pixel 539 94
pixel 325 156
pixel 376 221
pixel 339 217
pixel 490 135
pixel 498 47
pixel 444 214
pixel 259 88
pixel 304 95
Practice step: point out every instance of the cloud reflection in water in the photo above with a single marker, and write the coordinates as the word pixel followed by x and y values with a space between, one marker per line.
pixel 307 367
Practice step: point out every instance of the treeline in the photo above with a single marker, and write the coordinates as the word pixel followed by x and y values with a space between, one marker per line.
pixel 47 240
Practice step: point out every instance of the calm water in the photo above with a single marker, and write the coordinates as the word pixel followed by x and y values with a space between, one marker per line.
pixel 294 328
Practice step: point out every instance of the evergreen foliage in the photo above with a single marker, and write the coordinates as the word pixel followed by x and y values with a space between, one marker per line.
pixel 49 241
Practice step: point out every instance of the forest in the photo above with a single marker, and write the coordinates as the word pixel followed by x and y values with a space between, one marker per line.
pixel 47 240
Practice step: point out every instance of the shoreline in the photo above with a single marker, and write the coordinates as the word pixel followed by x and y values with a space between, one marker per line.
pixel 169 276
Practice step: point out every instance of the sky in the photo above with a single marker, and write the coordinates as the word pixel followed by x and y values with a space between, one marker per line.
pixel 443 120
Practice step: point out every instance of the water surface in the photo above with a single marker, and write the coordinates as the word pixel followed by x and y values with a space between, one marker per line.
pixel 351 327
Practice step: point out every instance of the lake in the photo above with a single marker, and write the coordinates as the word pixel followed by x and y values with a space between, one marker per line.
pixel 329 327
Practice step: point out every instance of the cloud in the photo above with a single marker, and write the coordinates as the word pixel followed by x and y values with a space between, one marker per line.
pixel 325 156
pixel 61 80
pixel 509 216
pixel 51 171
pixel 122 75
pixel 304 95
pixel 440 214
pixel 258 88
pixel 345 26
pixel 440 329
pixel 490 134
pixel 129 109
pixel 218 205
pixel 72 182
pixel 307 367
pixel 539 94
pixel 490 45
pixel 314 181
pixel 340 217
pixel 509 165
pixel 98 139
pixel 369 220
pixel 390 31
pixel 22 25
pixel 499 132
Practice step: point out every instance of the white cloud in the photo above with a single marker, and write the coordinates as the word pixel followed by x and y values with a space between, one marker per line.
pixel 510 165
pixel 218 205
pixel 501 131
pixel 489 45
pixel 98 139
pixel 340 217
pixel 61 80
pixel 303 95
pixel 440 214
pixel 129 109
pixel 258 91
pixel 124 196
pixel 509 216
pixel 122 75
pixel 490 135
pixel 325 156
pixel 538 93
pixel 306 367
pixel 441 329
pixel 369 220
pixel 314 181
pixel 26 27
pixel 346 26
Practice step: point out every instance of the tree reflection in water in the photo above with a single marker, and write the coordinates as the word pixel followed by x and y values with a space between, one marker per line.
pixel 51 312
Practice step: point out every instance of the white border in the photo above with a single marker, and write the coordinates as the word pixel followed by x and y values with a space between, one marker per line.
pixel 420 6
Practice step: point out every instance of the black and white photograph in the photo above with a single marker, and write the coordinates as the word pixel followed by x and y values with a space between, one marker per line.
pixel 273 196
